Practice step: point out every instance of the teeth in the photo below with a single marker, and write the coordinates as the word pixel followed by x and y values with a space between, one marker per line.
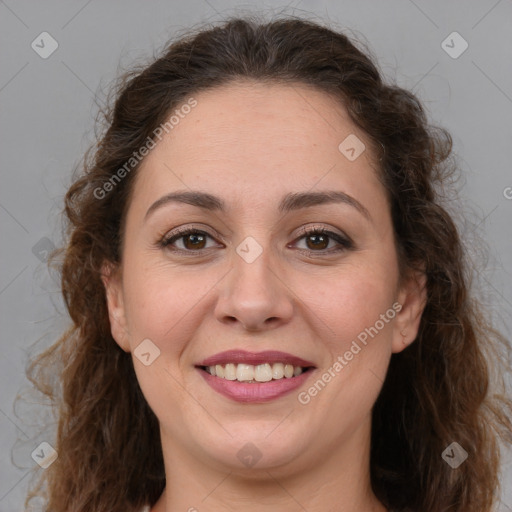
pixel 251 373
pixel 230 372
pixel 263 373
pixel 244 372
pixel 277 371
pixel 297 370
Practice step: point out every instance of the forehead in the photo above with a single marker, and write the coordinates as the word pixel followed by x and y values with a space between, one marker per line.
pixel 246 114
pixel 246 140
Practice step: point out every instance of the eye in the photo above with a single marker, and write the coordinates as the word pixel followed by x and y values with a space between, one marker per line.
pixel 194 240
pixel 317 240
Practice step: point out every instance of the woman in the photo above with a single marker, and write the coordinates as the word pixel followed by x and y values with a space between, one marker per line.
pixel 270 305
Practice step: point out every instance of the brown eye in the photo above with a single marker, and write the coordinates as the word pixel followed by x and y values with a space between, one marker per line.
pixel 318 239
pixel 193 240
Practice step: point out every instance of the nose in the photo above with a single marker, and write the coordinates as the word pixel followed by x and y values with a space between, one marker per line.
pixel 255 295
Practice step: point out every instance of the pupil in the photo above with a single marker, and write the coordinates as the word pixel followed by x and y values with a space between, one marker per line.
pixel 317 237
pixel 189 237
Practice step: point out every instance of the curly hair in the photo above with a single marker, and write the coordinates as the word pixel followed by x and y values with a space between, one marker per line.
pixel 438 390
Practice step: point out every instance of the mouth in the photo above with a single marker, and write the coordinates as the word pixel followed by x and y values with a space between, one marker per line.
pixel 255 377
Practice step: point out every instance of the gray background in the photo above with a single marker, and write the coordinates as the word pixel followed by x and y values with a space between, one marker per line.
pixel 47 113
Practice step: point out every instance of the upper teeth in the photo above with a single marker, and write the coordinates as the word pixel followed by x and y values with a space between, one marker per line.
pixel 250 373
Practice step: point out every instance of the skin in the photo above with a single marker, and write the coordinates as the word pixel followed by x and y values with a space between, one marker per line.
pixel 250 144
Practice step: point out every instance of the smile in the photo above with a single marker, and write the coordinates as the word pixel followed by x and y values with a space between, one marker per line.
pixel 249 377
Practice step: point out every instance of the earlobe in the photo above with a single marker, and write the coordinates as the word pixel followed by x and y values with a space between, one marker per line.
pixel 412 297
pixel 115 304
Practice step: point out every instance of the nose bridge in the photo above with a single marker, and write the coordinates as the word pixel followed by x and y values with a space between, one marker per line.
pixel 253 270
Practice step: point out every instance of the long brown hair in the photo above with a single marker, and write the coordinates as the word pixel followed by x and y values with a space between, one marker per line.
pixel 437 391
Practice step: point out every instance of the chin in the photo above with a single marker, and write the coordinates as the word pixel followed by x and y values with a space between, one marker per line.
pixel 253 448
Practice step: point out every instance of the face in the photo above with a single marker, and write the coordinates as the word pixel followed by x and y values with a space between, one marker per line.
pixel 248 278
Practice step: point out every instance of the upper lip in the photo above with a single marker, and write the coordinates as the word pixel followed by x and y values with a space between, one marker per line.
pixel 254 358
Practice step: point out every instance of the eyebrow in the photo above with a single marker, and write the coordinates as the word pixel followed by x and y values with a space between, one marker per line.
pixel 290 202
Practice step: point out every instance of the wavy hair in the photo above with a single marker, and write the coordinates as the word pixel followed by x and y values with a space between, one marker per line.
pixel 438 390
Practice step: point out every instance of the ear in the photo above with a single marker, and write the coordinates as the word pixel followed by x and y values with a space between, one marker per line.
pixel 111 277
pixel 412 297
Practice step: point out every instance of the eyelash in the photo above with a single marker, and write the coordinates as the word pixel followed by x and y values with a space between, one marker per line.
pixel 345 243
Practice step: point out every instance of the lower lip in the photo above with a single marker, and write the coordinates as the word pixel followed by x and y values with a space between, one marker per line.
pixel 256 392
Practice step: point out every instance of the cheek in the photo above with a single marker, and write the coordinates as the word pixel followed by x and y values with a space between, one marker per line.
pixel 358 341
pixel 352 300
pixel 159 299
